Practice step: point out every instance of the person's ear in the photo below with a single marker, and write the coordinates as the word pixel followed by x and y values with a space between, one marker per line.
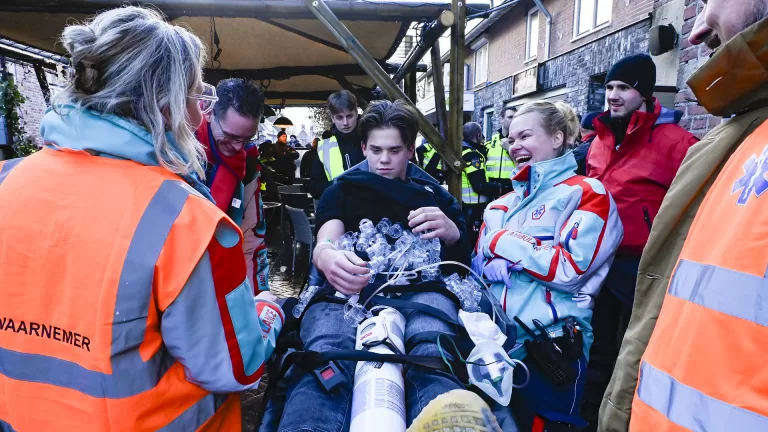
pixel 558 140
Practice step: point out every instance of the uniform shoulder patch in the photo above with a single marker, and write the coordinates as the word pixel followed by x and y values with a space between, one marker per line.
pixel 476 163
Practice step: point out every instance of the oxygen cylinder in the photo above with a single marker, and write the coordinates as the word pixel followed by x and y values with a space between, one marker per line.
pixel 378 398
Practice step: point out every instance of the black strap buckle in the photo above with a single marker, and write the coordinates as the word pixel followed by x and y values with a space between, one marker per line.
pixel 330 376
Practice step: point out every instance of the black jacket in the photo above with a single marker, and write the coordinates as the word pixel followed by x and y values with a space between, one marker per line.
pixel 307 161
pixel 281 158
pixel 359 194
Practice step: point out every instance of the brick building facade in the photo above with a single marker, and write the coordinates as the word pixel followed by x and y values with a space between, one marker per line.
pixel 578 75
pixel 579 55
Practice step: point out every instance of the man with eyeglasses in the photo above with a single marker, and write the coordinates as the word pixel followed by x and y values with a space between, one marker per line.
pixel 232 113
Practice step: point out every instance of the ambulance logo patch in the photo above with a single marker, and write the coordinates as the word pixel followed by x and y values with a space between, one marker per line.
pixel 754 178
pixel 539 212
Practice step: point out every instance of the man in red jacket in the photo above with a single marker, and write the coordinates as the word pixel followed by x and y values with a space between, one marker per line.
pixel 636 154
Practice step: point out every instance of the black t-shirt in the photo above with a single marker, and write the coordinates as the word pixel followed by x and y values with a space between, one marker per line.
pixel 358 195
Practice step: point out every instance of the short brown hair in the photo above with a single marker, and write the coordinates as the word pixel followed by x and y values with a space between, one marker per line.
pixel 384 114
pixel 342 100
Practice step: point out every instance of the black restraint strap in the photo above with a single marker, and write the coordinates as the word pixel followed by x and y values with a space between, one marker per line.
pixel 421 307
pixel 311 360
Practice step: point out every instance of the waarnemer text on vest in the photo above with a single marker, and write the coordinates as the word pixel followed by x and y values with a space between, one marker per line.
pixel 46 331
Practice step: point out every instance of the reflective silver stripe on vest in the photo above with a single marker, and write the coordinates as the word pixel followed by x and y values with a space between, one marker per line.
pixel 194 417
pixel 130 374
pixel 746 296
pixel 468 196
pixel 691 408
pixel 326 148
pixel 7 167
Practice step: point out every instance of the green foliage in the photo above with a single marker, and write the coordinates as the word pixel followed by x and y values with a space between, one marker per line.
pixel 11 100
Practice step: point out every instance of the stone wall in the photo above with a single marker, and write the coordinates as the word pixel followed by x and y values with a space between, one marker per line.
pixel 575 69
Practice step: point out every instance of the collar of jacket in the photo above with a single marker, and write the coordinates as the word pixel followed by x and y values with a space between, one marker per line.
pixel 342 138
pixel 413 171
pixel 531 178
pixel 735 79
pixel 472 145
pixel 639 120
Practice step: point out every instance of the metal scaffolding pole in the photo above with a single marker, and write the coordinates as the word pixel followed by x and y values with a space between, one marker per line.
pixel 375 71
pixel 456 92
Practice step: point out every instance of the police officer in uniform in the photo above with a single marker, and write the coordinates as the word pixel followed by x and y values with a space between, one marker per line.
pixel 430 161
pixel 499 166
pixel 476 190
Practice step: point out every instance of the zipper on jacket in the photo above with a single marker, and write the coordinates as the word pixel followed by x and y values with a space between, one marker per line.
pixel 647 217
pixel 349 165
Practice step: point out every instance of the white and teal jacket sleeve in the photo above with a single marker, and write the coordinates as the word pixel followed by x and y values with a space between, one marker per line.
pixel 215 328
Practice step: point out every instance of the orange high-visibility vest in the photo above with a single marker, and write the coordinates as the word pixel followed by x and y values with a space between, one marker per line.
pixel 92 251
pixel 704 368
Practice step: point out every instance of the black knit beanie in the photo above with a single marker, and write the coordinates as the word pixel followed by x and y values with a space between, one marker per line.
pixel 638 71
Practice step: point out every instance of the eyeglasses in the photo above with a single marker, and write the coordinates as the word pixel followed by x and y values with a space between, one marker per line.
pixel 206 99
pixel 233 139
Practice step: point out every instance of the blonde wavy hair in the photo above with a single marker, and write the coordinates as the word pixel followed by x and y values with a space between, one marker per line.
pixel 131 63
pixel 555 117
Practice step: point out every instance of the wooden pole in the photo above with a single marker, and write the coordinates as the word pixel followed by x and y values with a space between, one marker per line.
pixel 439 89
pixel 374 70
pixel 410 86
pixel 456 92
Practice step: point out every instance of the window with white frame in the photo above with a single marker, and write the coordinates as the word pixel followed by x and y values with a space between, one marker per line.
pixel 481 65
pixel 488 123
pixel 532 35
pixel 591 14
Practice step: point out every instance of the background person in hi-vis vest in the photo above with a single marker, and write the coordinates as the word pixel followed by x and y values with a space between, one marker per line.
pixel 125 301
pixel 430 161
pixel 343 149
pixel 693 355
pixel 476 190
pixel 499 166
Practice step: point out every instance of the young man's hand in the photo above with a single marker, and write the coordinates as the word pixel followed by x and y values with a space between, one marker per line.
pixel 345 271
pixel 433 219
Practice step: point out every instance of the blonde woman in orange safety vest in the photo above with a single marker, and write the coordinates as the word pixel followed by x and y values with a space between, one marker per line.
pixel 125 302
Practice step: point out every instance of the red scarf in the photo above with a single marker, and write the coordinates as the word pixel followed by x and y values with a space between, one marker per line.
pixel 228 173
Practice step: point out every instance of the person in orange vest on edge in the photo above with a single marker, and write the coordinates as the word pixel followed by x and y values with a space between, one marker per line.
pixel 693 355
pixel 125 302
pixel 233 169
pixel 638 149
